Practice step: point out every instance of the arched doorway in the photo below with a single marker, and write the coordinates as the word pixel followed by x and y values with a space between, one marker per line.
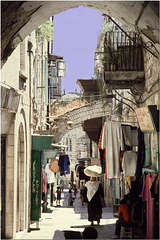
pixel 21 186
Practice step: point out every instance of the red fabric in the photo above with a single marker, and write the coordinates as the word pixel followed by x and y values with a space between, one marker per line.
pixel 146 196
pixel 100 139
pixel 43 182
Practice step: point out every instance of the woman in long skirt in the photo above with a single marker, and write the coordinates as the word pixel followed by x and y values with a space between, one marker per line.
pixel 95 195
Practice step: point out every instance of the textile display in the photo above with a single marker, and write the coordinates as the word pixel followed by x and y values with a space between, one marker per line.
pixel 112 140
pixel 101 151
pixel 140 154
pixel 147 141
pixel 146 196
pixel 43 182
pixel 51 178
pixel 130 136
pixel 64 163
pixel 129 163
pixel 100 137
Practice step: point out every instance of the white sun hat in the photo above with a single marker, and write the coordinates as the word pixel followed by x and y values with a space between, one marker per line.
pixel 93 171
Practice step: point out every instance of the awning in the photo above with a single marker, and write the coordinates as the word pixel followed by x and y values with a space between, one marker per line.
pixel 41 142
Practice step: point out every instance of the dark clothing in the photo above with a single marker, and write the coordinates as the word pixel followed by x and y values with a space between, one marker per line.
pixel 140 154
pixel 63 164
pixel 121 223
pixel 95 205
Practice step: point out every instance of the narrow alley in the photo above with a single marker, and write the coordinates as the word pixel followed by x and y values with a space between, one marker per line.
pixel 80 112
pixel 70 218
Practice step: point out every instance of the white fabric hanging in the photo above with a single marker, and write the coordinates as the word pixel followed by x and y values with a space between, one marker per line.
pixel 112 140
pixel 129 163
pixel 51 178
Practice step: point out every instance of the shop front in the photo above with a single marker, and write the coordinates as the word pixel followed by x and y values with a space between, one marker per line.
pixel 131 167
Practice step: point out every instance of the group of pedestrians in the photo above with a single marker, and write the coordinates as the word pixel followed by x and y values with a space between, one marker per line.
pixel 92 193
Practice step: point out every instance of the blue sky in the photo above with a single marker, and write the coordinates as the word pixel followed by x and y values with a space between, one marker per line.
pixel 75 39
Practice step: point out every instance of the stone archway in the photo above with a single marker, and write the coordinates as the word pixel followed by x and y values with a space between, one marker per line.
pixel 20 18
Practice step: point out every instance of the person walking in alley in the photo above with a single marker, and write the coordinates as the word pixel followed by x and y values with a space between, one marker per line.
pixel 82 186
pixel 95 195
pixel 70 198
pixel 58 196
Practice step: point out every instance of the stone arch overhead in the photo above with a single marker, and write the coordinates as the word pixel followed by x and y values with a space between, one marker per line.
pixel 78 116
pixel 20 18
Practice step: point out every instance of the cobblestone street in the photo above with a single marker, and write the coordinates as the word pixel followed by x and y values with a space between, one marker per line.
pixel 70 218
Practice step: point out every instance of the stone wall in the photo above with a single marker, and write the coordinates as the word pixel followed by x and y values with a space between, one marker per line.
pixel 151 91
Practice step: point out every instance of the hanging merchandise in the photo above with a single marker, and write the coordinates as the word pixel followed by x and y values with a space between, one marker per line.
pixel 54 166
pixel 101 151
pixel 51 178
pixel 64 163
pixel 43 182
pixel 140 154
pixel 129 163
pixel 146 196
pixel 147 141
pixel 112 140
pixel 130 135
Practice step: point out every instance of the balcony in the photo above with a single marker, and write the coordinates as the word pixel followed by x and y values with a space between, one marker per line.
pixel 123 60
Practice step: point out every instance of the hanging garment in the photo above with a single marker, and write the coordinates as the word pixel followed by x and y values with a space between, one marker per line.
pixel 64 164
pixel 43 182
pixel 101 151
pixel 140 154
pixel 155 151
pixel 147 141
pixel 100 137
pixel 146 196
pixel 112 140
pixel 127 135
pixel 130 179
pixel 129 163
pixel 51 178
pixel 130 136
pixel 102 158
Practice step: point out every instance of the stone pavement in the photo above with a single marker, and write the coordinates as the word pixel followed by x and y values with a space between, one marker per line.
pixel 73 218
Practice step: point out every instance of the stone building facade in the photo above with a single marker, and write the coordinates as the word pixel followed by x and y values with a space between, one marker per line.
pixel 22 102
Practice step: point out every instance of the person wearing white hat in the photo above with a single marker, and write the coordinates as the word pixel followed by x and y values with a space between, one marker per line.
pixel 95 195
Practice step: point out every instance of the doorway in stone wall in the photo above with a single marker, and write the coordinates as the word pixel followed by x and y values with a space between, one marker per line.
pixel 20 219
